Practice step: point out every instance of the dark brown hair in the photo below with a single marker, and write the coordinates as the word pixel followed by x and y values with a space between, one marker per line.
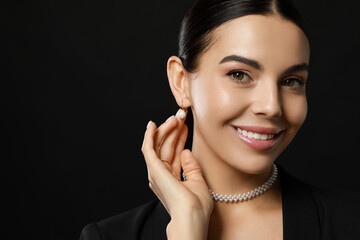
pixel 206 15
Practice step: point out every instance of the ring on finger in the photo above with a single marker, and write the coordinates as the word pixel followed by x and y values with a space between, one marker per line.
pixel 183 176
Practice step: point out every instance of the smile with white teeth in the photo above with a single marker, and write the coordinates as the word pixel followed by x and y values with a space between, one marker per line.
pixel 257 136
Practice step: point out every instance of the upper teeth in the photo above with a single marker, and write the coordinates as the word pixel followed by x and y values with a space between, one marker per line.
pixel 255 135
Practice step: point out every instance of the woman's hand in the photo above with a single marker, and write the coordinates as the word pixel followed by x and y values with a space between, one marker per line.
pixel 188 202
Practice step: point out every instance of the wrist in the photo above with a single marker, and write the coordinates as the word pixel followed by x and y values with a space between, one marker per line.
pixel 190 226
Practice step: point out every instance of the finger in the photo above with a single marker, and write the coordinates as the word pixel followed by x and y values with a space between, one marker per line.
pixel 168 145
pixel 153 163
pixel 147 147
pixel 178 149
pixel 190 166
pixel 149 153
pixel 162 132
pixel 151 159
pixel 161 180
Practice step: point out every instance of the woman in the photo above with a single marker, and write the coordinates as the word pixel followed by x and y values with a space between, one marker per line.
pixel 242 69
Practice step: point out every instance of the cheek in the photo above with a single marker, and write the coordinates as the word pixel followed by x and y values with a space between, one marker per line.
pixel 210 99
pixel 216 101
pixel 295 110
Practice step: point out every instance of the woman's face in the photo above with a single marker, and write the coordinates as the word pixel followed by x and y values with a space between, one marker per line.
pixel 248 93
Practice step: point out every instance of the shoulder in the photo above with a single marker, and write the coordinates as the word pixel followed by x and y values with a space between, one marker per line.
pixel 336 199
pixel 338 209
pixel 147 221
pixel 335 212
pixel 325 198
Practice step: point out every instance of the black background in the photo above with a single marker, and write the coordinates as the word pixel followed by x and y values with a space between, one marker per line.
pixel 81 79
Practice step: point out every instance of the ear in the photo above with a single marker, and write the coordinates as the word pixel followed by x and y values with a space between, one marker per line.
pixel 179 81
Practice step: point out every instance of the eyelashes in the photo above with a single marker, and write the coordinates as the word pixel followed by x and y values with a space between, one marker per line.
pixel 242 77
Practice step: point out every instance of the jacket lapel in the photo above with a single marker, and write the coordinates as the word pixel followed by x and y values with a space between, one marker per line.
pixel 300 215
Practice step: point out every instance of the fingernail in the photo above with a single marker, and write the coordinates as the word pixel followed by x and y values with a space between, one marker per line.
pixel 147 126
pixel 169 118
pixel 181 114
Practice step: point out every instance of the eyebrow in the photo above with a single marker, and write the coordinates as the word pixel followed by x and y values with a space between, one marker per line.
pixel 237 58
pixel 255 64
pixel 297 68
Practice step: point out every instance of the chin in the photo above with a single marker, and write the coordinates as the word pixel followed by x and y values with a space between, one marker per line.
pixel 254 164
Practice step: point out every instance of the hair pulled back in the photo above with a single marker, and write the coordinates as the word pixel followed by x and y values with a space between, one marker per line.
pixel 206 15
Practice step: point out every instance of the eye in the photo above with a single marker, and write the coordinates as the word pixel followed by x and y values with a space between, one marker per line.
pixel 292 83
pixel 239 76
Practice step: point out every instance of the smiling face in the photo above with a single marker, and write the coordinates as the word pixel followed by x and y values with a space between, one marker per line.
pixel 248 94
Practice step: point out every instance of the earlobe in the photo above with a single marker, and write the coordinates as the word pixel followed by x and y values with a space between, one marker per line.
pixel 178 81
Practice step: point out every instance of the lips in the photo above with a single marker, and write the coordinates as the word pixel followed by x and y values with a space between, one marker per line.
pixel 258 138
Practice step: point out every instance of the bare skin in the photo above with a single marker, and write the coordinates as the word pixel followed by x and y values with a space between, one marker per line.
pixel 224 95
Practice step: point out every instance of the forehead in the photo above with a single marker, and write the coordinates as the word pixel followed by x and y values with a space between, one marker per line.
pixel 267 39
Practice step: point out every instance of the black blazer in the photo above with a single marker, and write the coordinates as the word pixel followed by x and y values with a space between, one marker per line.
pixel 308 213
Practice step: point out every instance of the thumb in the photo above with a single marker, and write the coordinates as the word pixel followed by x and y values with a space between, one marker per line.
pixel 190 166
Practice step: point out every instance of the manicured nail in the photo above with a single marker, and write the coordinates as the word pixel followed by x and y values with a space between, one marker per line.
pixel 169 118
pixel 147 126
pixel 181 114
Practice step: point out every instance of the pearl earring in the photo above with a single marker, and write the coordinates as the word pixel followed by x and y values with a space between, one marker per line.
pixel 181 113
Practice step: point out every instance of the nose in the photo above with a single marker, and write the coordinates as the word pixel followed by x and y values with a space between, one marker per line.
pixel 267 100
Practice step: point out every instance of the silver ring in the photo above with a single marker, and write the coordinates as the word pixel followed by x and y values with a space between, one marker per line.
pixel 183 176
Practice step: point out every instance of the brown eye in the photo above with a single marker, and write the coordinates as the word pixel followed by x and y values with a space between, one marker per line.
pixel 239 76
pixel 292 83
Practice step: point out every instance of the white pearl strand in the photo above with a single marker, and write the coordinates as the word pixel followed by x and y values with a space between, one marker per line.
pixel 249 195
